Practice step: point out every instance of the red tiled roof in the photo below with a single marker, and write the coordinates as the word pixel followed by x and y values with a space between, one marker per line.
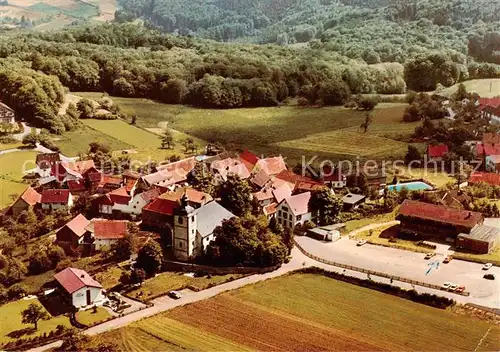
pixel 260 178
pixel 282 192
pixel 437 151
pixel 291 177
pixel 31 196
pixel 115 180
pixel 231 166
pixel 249 159
pixel 78 225
pixel 46 160
pixel 264 195
pixel 104 199
pixel 72 280
pixel 272 166
pixel 270 209
pixel 299 203
pixel 491 138
pixel 80 166
pixel 439 213
pixel 130 184
pixel 192 195
pixel 161 206
pixel 108 229
pixel 309 186
pixel 120 196
pixel 55 196
pixel 487 149
pixel 493 102
pixel 150 195
pixel 489 178
pixel 330 175
pixel 76 185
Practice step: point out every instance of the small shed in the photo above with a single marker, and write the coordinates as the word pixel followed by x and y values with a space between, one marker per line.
pixel 322 234
pixel 352 201
pixel 482 239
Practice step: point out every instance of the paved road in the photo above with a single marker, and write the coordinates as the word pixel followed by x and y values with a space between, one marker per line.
pixel 411 265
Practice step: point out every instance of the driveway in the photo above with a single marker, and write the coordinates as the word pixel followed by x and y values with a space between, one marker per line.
pixel 411 265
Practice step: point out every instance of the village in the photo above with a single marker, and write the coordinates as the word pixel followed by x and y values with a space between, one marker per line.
pixel 223 215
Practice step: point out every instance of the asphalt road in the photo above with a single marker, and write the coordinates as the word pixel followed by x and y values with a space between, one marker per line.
pixel 412 265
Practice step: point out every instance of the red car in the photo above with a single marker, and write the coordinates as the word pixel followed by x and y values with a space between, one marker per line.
pixel 460 289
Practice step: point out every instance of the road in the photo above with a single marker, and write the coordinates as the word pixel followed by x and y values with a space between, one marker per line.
pixel 411 265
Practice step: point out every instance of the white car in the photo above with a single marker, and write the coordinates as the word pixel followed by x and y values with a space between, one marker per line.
pixel 452 287
pixel 487 266
pixel 175 294
pixel 446 285
pixel 361 242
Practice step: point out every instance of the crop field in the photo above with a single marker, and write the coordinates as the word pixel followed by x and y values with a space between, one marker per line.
pixel 486 88
pixel 307 312
pixel 292 131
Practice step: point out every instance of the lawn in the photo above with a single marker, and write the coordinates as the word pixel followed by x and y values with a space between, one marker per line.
pixel 307 312
pixel 436 177
pixel 165 282
pixel 8 190
pixel 76 142
pixel 6 146
pixel 383 234
pixel 292 131
pixel 10 322
pixel 88 317
pixel 486 88
pixel 13 165
pixel 381 218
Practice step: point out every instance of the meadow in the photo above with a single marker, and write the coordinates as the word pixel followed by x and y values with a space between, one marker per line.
pixel 11 174
pixel 292 131
pixel 486 88
pixel 307 312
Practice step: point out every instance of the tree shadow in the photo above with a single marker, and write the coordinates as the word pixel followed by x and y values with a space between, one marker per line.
pixel 391 232
pixel 56 304
pixel 16 334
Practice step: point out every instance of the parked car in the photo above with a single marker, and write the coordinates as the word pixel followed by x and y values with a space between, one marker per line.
pixel 446 285
pixel 489 276
pixel 361 242
pixel 453 287
pixel 430 255
pixel 174 294
pixel 447 259
pixel 460 289
pixel 487 266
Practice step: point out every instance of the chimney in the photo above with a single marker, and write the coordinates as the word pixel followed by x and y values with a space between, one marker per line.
pixel 82 276
pixel 469 215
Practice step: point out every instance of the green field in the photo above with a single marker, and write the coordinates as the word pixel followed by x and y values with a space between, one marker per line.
pixel 292 131
pixel 88 317
pixel 486 88
pixel 11 174
pixel 307 312
pixel 10 322
pixel 8 189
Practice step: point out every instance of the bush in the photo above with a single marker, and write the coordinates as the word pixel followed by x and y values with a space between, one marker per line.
pixel 17 291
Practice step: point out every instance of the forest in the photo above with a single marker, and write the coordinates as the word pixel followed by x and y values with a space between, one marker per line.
pixel 377 47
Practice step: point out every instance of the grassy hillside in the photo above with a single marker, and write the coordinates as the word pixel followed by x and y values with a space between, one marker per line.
pixel 486 88
pixel 307 312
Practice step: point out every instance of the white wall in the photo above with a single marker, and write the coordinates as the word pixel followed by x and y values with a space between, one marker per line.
pixel 79 298
pixel 99 243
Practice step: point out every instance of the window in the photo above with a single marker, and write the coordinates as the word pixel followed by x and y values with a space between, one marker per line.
pixel 192 219
pixel 299 217
pixel 180 244
pixel 180 220
pixel 279 213
pixel 290 217
pixel 192 231
pixel 285 209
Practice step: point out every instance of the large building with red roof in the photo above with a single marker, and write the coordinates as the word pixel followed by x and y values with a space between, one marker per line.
pixel 80 288
pixel 489 178
pixel 490 108
pixel 105 233
pixel 54 199
pixel 437 151
pixel 425 220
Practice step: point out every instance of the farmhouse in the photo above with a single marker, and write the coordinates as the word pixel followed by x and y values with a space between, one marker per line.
pixel 436 221
pixel 104 232
pixel 29 198
pixel 333 178
pixel 486 149
pixel 53 199
pixel 168 175
pixel 141 200
pixel 482 239
pixel 193 228
pixel 375 177
pixel 260 179
pixel 71 235
pixel 79 288
pixel 249 159
pixel 294 210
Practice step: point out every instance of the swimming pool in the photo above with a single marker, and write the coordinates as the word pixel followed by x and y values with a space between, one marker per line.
pixel 411 186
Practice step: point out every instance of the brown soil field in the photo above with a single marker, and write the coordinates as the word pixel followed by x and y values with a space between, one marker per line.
pixel 263 330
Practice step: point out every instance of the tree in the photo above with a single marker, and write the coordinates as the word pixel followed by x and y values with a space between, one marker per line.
pixel 125 246
pixel 236 195
pixel 74 341
pixel 30 140
pixel 167 140
pixel 33 314
pixel 190 145
pixel 39 263
pixel 461 93
pixel 56 254
pixel 150 258
pixel 86 108
pixel 133 120
pixel 367 122
pixel 137 276
pixel 367 103
pixel 201 178
pixel 325 205
pixel 412 154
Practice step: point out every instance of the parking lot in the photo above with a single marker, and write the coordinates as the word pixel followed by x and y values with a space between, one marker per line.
pixel 411 265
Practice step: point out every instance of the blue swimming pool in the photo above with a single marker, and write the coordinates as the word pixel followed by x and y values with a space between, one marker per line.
pixel 411 186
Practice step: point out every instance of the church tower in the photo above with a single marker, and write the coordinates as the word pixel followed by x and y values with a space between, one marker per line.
pixel 184 241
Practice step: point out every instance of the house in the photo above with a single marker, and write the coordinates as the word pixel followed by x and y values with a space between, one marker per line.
pixel 104 233
pixel 483 150
pixel 103 204
pixel 455 199
pixel 333 178
pixel 108 183
pixel 141 200
pixel 270 210
pixel 45 162
pixel 352 201
pixel 77 187
pixel 294 210
pixel 272 166
pixel 490 109
pixel 53 199
pixel 425 220
pixel 249 159
pixel 71 235
pixel 222 168
pixel 436 152
pixel 259 180
pixel 7 115
pixel 64 174
pixel 491 138
pixel 120 199
pixel 159 213
pixel 489 178
pixel 482 239
pixel 193 228
pixel 80 288
pixel 282 192
pixel 375 177
pixel 29 198
pixel 168 175
pixel 492 163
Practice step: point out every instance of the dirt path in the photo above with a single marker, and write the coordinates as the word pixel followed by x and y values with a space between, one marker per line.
pixel 372 227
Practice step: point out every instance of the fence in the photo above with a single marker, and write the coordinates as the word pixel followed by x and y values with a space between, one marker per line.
pixel 216 270
pixel 375 273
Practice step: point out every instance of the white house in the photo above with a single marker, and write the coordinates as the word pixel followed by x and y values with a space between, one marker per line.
pixel 80 288
pixel 106 232
pixel 53 199
pixel 294 210
pixel 141 200
pixel 193 228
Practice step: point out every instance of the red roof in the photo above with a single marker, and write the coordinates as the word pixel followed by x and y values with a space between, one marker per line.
pixel 78 225
pixel 299 203
pixel 309 186
pixel 161 206
pixel 249 159
pixel 270 209
pixel 108 229
pixel 330 175
pixel 491 138
pixel 493 102
pixel 77 185
pixel 150 195
pixel 120 196
pixel 59 196
pixel 487 149
pixel 264 194
pixel 291 177
pixel 104 199
pixel 282 192
pixel 192 195
pixel 260 178
pixel 272 166
pixel 31 197
pixel 130 184
pixel 80 166
pixel 439 213
pixel 489 178
pixel 437 151
pixel 46 160
pixel 72 280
